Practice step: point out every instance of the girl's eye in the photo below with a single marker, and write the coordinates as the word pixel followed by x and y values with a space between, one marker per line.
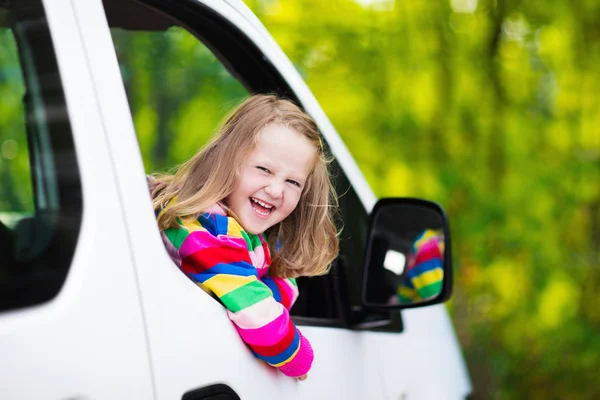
pixel 294 182
pixel 263 169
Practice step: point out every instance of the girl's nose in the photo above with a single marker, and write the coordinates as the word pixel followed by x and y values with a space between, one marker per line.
pixel 274 189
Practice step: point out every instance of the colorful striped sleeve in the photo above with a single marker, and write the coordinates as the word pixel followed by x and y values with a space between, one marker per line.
pixel 285 291
pixel 221 264
pixel 424 272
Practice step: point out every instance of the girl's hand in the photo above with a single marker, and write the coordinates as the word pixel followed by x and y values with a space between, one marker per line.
pixel 302 377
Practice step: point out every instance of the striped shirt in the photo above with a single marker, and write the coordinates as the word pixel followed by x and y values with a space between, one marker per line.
pixel 424 273
pixel 219 256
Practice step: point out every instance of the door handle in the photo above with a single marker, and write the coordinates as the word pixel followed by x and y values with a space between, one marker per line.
pixel 218 391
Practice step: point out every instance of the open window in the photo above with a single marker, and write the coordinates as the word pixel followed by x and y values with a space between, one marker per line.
pixel 184 68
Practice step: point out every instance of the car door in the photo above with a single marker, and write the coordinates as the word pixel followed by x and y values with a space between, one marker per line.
pixel 166 73
pixel 70 316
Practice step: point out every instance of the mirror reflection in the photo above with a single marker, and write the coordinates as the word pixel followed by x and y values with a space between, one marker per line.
pixel 406 264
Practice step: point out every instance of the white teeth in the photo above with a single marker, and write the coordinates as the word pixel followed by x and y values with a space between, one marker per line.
pixel 261 203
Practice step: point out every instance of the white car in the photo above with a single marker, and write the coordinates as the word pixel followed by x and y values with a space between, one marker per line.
pixel 91 305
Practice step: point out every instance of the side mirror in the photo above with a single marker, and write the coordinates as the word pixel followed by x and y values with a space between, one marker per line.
pixel 408 261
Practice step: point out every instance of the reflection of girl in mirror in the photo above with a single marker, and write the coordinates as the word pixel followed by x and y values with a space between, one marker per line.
pixel 424 272
pixel 247 215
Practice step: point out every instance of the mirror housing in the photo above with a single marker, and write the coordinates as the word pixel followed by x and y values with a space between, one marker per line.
pixel 408 260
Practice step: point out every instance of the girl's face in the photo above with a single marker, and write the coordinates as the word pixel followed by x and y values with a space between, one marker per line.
pixel 271 178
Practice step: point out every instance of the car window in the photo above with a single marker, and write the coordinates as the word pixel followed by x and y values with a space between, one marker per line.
pixel 184 69
pixel 178 91
pixel 40 196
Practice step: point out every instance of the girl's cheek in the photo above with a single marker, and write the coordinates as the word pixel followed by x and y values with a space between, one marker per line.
pixel 256 176
pixel 296 200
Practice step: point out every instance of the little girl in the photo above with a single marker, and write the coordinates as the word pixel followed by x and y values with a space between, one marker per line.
pixel 249 213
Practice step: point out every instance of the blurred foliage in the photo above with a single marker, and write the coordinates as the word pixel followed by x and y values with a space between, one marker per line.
pixel 492 109
pixel 14 158
pixel 178 92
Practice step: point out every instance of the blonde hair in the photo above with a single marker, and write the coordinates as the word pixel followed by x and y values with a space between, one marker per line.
pixel 308 240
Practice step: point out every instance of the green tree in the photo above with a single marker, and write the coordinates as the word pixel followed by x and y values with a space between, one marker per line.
pixel 490 108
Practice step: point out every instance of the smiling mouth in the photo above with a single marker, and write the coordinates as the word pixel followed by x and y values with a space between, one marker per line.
pixel 261 208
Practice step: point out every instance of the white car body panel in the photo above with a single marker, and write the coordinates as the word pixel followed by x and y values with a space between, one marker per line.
pixel 89 341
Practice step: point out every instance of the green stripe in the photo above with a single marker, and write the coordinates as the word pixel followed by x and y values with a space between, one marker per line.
pixel 176 236
pixel 293 281
pixel 403 299
pixel 255 242
pixel 252 241
pixel 245 296
pixel 246 238
pixel 431 290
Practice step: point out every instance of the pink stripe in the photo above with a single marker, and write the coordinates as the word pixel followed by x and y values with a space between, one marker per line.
pixel 267 335
pixel 294 291
pixel 286 285
pixel 199 240
pixel 265 246
pixel 257 315
pixel 262 271
pixel 258 257
pixel 300 364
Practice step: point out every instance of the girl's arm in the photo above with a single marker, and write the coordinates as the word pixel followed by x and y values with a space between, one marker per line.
pixel 285 290
pixel 221 264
